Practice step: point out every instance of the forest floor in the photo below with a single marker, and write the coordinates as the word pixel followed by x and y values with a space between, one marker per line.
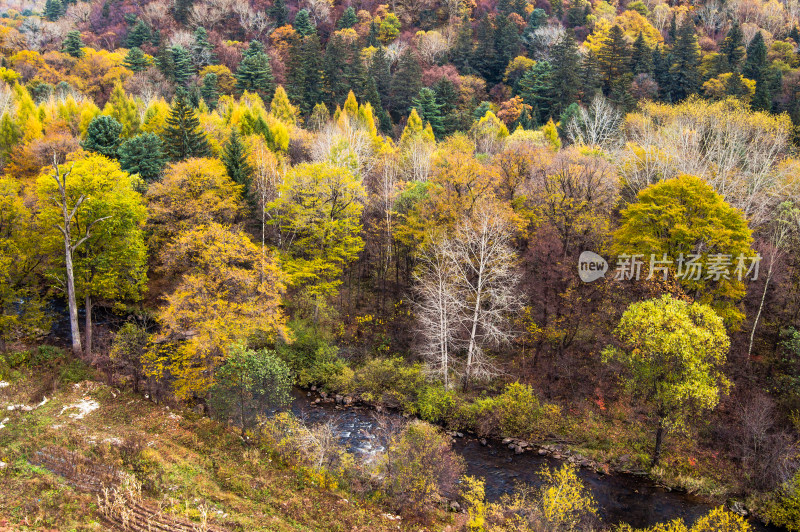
pixel 189 466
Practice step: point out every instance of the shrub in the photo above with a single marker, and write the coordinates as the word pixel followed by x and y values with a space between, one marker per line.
pixel 784 510
pixel 564 501
pixel 420 468
pixel 516 412
pixel 392 382
pixel 435 404
pixel 717 520
pixel 312 359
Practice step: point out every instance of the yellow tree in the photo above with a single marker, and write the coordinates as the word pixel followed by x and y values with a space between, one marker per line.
pixel 318 212
pixel 229 291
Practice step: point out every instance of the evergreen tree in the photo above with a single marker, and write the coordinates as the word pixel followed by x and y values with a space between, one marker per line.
pixel 429 110
pixel 53 9
pixel 732 49
pixel 447 96
pixel 180 10
pixel 202 50
pixel 143 155
pixel 73 44
pixel 755 68
pixel 138 34
pixel 672 32
pixel 589 78
pixel 734 86
pixel 278 13
pixel 135 60
pixel 304 76
pixel 614 58
pixel 349 18
pixel 506 41
pixel 103 136
pixel 795 35
pixel 380 71
pixel 302 23
pixel 372 36
pixel 661 71
pixel 182 68
pixel 536 90
pixel 641 56
pixel 406 82
pixel 338 65
pixel 255 73
pixel 565 75
pixel 182 135
pixel 485 58
pixel 210 90
pixel 536 20
pixel 685 74
pixel 461 53
pixel 620 93
pixel 234 157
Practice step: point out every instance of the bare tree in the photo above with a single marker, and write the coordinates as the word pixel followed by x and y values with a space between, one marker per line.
pixel 268 174
pixel 596 126
pixel 437 306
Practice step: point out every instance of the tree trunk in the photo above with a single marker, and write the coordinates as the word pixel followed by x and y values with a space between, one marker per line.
pixel 760 309
pixel 72 304
pixel 88 327
pixel 659 440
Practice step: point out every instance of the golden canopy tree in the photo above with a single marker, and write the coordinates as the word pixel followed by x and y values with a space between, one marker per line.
pixel 192 193
pixel 229 291
pixel 318 212
pixel 96 218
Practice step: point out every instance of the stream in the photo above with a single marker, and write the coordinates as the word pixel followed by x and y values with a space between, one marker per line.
pixel 620 498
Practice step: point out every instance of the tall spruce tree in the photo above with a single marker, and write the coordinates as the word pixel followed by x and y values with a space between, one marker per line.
pixel 135 60
pixel 278 13
pixel 565 74
pixel 590 78
pixel 485 58
pixel 303 24
pixel 732 49
pixel 234 157
pixel 349 18
pixel 685 68
pixel 202 50
pixel 182 67
pixel 103 136
pixel 73 44
pixel 641 56
pixel 461 52
pixel 755 68
pixel 429 110
pixel 143 155
pixel 255 73
pixel 536 90
pixel 304 76
pixel 182 135
pixel 406 83
pixel 138 34
pixel 614 57
pixel 53 9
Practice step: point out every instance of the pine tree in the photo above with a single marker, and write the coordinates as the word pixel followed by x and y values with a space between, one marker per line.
pixel 406 82
pixel 138 34
pixel 672 32
pixel 53 9
pixel 182 68
pixel 685 63
pixel 565 75
pixel 182 135
pixel 614 57
pixel 485 58
pixel 755 68
pixel 210 90
pixel 734 86
pixel 143 155
pixel 732 49
pixel 164 62
pixel 278 13
pixel 447 96
pixel 380 71
pixel 661 71
pixel 641 56
pixel 234 157
pixel 135 60
pixel 103 136
pixel 795 35
pixel 349 18
pixel 302 23
pixel 202 50
pixel 536 90
pixel 180 10
pixel 461 53
pixel 334 71
pixel 73 44
pixel 304 76
pixel 590 78
pixel 255 73
pixel 429 110
pixel 506 41
pixel 536 20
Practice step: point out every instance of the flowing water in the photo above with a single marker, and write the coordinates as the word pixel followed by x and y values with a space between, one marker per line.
pixel 620 498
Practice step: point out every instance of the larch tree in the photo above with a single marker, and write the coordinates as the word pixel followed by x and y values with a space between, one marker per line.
pixel 100 218
pixel 673 354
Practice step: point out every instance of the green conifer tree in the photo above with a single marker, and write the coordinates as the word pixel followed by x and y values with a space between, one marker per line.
pixel 303 24
pixel 143 155
pixel 641 56
pixel 135 60
pixel 234 157
pixel 278 13
pixel 53 9
pixel 255 73
pixel 182 135
pixel 103 136
pixel 304 77
pixel 406 83
pixel 182 67
pixel 210 90
pixel 138 34
pixel 732 49
pixel 73 44
pixel 349 18
pixel 202 50
pixel 429 110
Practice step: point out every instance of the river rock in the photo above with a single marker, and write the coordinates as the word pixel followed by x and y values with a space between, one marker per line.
pixel 347 400
pixel 454 506
pixel 506 441
pixel 483 441
pixel 314 388
pixel 518 449
pixel 338 399
pixel 523 444
pixel 738 508
pixel 324 395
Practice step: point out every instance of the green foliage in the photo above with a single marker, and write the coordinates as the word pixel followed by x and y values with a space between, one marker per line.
pixel 235 159
pixel 183 136
pixel 143 155
pixel 254 73
pixel 390 381
pixel 249 384
pixel 435 404
pixel 103 136
pixel 673 354
pixel 136 60
pixel 73 45
pixel 312 358
pixel 516 412
pixel 683 216
pixel 302 23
